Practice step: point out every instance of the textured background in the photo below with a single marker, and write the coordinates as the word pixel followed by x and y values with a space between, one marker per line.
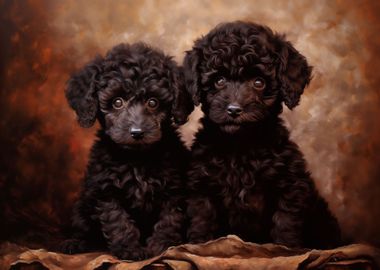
pixel 44 152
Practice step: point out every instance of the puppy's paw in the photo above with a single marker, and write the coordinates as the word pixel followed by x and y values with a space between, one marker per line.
pixel 72 246
pixel 132 253
pixel 155 249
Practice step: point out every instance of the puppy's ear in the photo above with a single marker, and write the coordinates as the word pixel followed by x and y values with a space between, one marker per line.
pixel 81 92
pixel 294 73
pixel 182 104
pixel 192 76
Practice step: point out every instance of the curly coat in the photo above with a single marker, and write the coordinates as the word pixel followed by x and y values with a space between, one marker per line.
pixel 132 198
pixel 246 176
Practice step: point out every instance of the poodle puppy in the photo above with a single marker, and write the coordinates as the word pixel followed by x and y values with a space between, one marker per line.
pixel 246 176
pixel 132 200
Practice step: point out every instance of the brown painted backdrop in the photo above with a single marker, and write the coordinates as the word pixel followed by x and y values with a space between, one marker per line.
pixel 44 152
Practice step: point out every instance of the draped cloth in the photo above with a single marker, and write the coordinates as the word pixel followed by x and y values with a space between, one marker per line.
pixel 224 253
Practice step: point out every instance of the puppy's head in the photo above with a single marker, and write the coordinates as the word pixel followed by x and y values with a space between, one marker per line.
pixel 242 72
pixel 134 91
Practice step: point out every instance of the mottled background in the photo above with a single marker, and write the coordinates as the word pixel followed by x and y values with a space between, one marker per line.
pixel 44 152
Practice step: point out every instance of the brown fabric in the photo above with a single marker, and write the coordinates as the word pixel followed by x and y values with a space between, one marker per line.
pixel 224 253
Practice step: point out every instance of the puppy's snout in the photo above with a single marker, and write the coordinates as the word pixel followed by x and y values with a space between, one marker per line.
pixel 234 110
pixel 136 133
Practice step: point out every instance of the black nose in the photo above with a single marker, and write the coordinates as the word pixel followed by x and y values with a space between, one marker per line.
pixel 137 133
pixel 234 110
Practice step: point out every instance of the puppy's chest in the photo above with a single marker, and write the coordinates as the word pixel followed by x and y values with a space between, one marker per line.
pixel 141 187
pixel 244 180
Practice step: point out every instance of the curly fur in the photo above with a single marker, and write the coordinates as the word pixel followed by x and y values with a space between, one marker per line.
pixel 248 178
pixel 132 200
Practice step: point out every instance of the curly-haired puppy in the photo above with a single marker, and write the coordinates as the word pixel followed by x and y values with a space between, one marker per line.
pixel 248 178
pixel 132 191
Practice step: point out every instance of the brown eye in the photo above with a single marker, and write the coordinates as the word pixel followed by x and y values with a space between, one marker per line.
pixel 152 103
pixel 220 82
pixel 117 103
pixel 259 83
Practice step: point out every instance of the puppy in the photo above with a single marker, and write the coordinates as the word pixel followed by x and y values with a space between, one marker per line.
pixel 132 196
pixel 248 178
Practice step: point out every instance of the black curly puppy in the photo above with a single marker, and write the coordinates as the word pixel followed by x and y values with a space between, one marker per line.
pixel 248 178
pixel 132 191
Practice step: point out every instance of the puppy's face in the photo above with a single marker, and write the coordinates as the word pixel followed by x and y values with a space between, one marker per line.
pixel 234 102
pixel 241 73
pixel 135 109
pixel 135 92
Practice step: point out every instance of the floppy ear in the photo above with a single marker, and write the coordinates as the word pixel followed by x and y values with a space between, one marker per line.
pixel 182 104
pixel 294 73
pixel 81 92
pixel 192 76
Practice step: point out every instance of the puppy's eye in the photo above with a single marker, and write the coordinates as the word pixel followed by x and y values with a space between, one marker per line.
pixel 259 83
pixel 117 103
pixel 152 103
pixel 220 82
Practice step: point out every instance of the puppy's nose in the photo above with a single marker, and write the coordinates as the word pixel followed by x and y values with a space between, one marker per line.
pixel 136 133
pixel 234 110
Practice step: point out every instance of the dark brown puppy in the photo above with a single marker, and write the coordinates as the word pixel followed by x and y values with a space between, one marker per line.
pixel 133 184
pixel 246 176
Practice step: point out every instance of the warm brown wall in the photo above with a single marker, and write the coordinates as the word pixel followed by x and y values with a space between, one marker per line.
pixel 44 152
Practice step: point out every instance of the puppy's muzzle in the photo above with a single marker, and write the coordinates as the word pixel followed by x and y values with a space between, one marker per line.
pixel 136 133
pixel 234 110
